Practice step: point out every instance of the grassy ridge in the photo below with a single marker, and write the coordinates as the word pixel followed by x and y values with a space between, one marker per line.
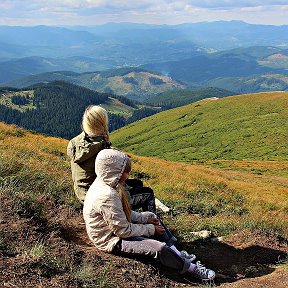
pixel 251 126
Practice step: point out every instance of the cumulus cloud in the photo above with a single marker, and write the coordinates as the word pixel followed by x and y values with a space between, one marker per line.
pixel 148 11
pixel 234 4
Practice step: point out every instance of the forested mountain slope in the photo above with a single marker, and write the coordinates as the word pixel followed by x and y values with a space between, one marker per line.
pixel 56 108
pixel 181 97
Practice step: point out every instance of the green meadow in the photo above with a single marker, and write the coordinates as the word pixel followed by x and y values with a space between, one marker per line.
pixel 244 127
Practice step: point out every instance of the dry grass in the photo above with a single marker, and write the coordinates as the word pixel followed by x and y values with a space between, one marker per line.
pixel 48 243
pixel 223 200
pixel 255 201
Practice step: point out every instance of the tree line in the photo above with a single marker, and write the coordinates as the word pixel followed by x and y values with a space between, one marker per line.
pixel 58 109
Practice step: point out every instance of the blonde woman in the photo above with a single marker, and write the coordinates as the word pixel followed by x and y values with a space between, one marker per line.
pixel 82 151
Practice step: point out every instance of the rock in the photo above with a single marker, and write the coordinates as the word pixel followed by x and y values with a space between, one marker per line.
pixel 202 234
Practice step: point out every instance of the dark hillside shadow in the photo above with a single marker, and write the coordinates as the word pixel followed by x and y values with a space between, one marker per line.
pixel 231 263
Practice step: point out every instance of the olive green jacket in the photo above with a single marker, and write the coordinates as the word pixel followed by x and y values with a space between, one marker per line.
pixel 82 151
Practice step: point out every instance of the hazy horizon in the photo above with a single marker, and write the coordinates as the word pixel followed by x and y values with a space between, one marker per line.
pixel 98 12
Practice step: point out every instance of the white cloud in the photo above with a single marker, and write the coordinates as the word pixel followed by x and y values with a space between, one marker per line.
pixel 58 12
pixel 234 4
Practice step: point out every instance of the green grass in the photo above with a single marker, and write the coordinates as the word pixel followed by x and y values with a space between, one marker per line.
pixel 252 126
pixel 114 106
pixel 6 100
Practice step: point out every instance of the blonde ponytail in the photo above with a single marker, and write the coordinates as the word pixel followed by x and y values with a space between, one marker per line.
pixel 125 201
pixel 124 194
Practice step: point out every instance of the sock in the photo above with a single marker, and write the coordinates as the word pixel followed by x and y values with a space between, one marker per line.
pixel 175 250
pixel 191 268
pixel 192 265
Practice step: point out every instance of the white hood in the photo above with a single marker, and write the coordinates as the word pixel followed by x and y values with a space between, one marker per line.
pixel 109 166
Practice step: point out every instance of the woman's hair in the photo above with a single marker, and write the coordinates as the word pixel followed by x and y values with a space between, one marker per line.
pixel 128 166
pixel 124 194
pixel 95 122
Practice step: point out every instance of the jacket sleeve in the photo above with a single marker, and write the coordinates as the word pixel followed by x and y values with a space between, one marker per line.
pixel 142 217
pixel 70 150
pixel 115 217
pixel 84 150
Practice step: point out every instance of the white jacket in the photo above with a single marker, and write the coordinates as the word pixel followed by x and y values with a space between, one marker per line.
pixel 105 219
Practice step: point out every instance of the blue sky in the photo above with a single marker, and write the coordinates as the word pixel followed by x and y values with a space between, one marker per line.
pixel 94 12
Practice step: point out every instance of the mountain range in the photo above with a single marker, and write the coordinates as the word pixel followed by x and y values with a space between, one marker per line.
pixel 255 69
pixel 240 62
pixel 126 44
pixel 132 82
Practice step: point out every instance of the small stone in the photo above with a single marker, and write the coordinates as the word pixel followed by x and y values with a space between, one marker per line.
pixel 202 234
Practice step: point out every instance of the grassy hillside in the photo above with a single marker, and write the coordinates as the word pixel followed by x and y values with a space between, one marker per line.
pixel 251 126
pixel 47 243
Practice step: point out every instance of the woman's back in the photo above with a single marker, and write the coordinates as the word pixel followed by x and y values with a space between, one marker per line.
pixel 82 151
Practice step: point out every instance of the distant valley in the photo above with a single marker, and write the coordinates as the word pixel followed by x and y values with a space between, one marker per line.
pixel 241 70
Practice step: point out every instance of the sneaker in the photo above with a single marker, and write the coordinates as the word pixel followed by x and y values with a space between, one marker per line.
pixel 190 257
pixel 202 272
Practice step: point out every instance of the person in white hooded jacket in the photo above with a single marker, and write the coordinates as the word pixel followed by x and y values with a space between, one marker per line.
pixel 114 228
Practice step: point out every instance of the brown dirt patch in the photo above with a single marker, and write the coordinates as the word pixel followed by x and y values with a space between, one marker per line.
pixel 66 258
